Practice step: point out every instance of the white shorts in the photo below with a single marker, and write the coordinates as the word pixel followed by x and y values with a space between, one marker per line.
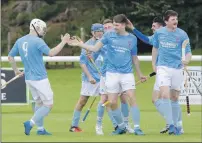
pixel 88 89
pixel 169 77
pixel 118 82
pixel 41 90
pixel 156 87
pixel 103 86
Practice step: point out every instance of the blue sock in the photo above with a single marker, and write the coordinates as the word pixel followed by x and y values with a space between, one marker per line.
pixel 135 112
pixel 167 110
pixel 40 122
pixel 100 113
pixel 36 107
pixel 40 114
pixel 118 118
pixel 112 119
pixel 125 112
pixel 76 118
pixel 175 111
pixel 180 118
pixel 157 103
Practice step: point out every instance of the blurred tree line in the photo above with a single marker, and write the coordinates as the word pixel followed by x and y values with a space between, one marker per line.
pixel 69 16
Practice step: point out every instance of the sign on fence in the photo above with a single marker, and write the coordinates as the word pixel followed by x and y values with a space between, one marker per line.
pixel 15 93
pixel 194 96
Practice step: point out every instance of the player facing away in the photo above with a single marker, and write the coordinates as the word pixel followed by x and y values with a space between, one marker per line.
pixel 90 76
pixel 167 44
pixel 108 26
pixel 121 55
pixel 31 48
pixel 156 99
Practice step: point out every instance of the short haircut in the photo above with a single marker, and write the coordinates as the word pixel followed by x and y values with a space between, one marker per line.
pixel 107 21
pixel 159 21
pixel 168 14
pixel 120 18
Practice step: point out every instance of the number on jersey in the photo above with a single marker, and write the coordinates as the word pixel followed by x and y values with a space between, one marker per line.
pixel 25 48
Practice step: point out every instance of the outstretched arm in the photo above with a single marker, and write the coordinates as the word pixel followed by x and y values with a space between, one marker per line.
pixel 93 48
pixel 141 36
pixel 54 51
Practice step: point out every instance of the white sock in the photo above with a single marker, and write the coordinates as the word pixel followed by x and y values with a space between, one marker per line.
pixel 40 128
pixel 32 123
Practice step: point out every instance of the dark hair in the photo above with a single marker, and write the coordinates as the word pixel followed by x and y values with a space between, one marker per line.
pixel 159 21
pixel 169 13
pixel 120 18
pixel 107 21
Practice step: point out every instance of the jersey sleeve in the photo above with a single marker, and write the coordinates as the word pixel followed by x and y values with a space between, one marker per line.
pixel 14 51
pixel 141 36
pixel 43 47
pixel 104 38
pixel 155 40
pixel 83 57
pixel 96 54
pixel 151 39
pixel 188 47
pixel 134 48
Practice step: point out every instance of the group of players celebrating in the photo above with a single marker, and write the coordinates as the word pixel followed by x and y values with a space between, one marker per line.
pixel 107 61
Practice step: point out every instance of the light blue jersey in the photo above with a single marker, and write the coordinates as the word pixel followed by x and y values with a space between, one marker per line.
pixel 169 45
pixel 120 50
pixel 84 60
pixel 31 49
pixel 103 54
pixel 151 39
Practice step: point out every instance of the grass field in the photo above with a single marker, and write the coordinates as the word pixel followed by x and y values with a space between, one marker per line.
pixel 66 86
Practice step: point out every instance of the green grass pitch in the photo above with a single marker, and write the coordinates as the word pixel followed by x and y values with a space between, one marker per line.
pixel 66 86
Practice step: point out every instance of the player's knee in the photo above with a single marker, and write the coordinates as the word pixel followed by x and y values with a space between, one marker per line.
pixel 132 100
pixel 38 102
pixel 123 98
pixel 104 99
pixel 165 97
pixel 174 95
pixel 82 102
pixel 113 102
pixel 155 97
pixel 165 94
pixel 174 98
pixel 48 103
pixel 113 106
